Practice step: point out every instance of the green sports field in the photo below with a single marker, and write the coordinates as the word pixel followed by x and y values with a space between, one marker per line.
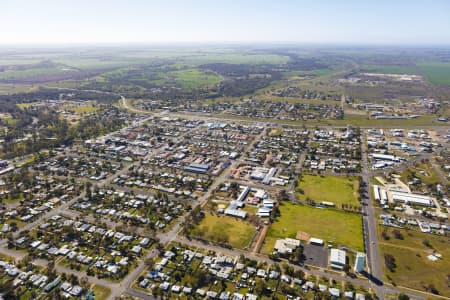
pixel 341 227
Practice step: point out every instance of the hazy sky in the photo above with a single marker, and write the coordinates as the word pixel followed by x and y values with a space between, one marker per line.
pixel 145 21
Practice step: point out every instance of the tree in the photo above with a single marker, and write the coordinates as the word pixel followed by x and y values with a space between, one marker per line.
pixel 403 297
pixel 432 289
pixel 389 262
pixel 259 287
pixel 397 234
pixel 426 243
pixel 150 262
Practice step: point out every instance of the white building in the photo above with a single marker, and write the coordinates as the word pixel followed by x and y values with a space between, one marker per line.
pixel 286 245
pixel 411 199
pixel 337 259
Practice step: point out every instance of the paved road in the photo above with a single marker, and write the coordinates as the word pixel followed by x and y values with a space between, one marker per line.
pixel 126 285
pixel 369 225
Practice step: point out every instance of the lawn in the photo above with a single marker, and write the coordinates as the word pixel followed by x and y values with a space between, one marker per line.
pixel 343 228
pixel 413 268
pixel 337 189
pixel 436 72
pixel 235 232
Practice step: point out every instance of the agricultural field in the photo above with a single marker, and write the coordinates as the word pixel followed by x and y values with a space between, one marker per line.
pixel 436 72
pixel 31 73
pixel 9 88
pixel 343 228
pixel 189 78
pixel 412 266
pixel 390 69
pixel 236 58
pixel 224 229
pixel 335 189
pixel 317 72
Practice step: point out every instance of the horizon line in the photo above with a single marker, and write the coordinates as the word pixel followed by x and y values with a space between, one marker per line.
pixel 214 43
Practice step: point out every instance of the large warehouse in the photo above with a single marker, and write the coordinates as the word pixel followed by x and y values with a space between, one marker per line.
pixel 411 199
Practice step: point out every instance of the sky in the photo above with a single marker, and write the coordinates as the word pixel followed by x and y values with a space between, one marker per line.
pixel 393 22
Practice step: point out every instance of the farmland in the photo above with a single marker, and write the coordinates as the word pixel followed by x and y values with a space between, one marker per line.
pixel 189 78
pixel 30 73
pixel 317 72
pixel 390 69
pixel 436 72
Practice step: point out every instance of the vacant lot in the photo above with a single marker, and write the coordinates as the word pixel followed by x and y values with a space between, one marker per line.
pixel 101 292
pixel 224 229
pixel 424 172
pixel 413 268
pixel 337 189
pixel 343 228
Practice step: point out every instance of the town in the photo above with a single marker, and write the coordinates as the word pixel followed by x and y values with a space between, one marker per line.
pixel 202 207
pixel 227 150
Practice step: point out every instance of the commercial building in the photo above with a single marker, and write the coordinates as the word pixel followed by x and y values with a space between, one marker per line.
pixel 337 259
pixel 197 168
pixel 411 199
pixel 286 245
pixel 360 262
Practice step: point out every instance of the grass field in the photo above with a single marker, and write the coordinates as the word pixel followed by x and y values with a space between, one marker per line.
pixel 317 72
pixel 27 104
pixel 413 268
pixel 343 228
pixel 30 73
pixel 235 232
pixel 430 176
pixel 236 58
pixel 190 78
pixel 390 69
pixel 82 109
pixel 436 72
pixel 336 189
pixel 101 292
